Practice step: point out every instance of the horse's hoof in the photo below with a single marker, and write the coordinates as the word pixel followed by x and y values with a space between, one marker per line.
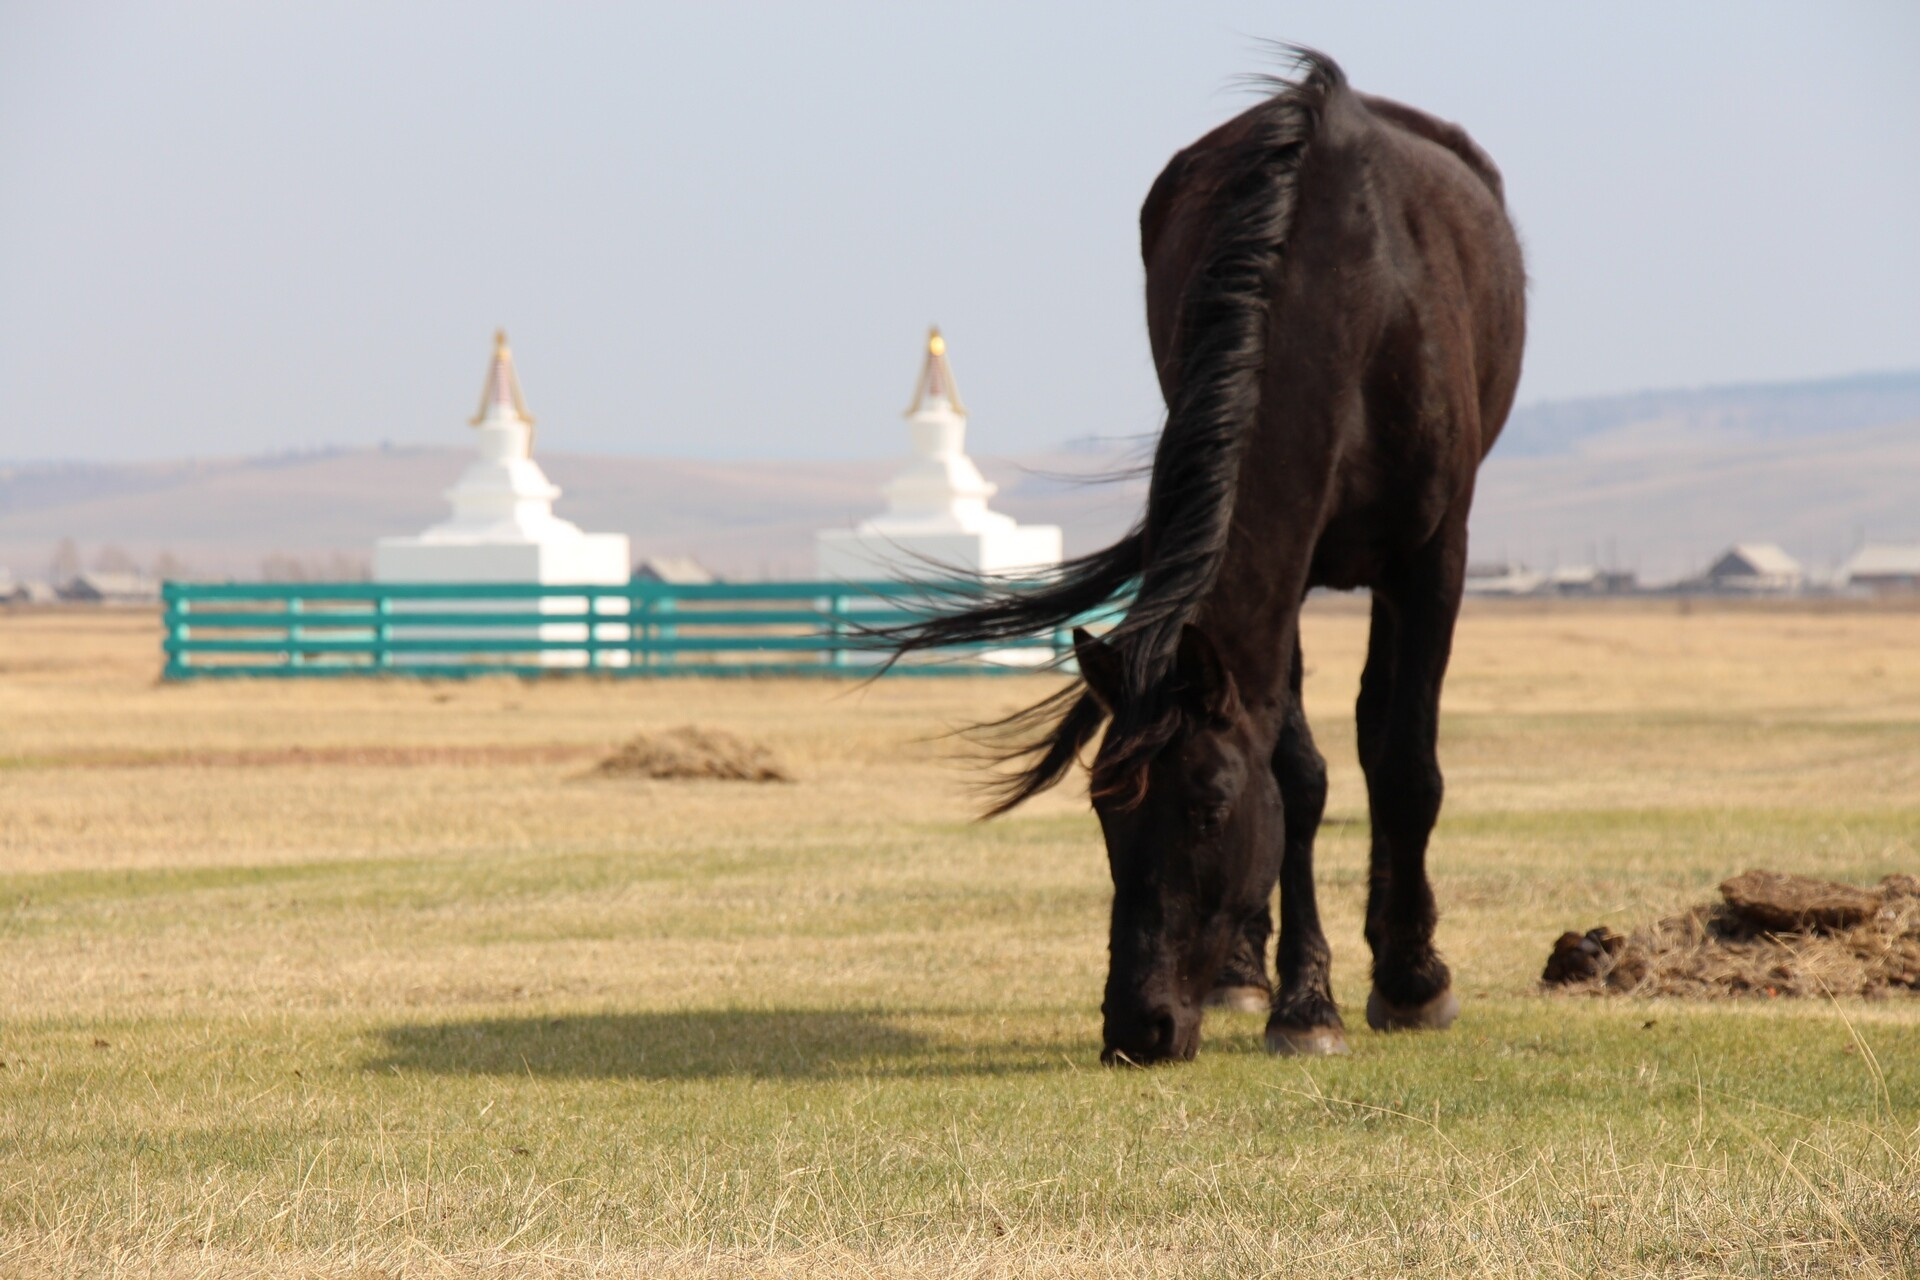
pixel 1306 1042
pixel 1436 1014
pixel 1240 999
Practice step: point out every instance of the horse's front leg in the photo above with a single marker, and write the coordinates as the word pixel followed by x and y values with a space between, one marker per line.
pixel 1304 1019
pixel 1242 983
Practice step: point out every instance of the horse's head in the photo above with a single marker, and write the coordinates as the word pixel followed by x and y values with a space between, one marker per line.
pixel 1193 837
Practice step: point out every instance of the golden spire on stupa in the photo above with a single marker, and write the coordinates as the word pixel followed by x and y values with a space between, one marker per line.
pixel 501 394
pixel 936 378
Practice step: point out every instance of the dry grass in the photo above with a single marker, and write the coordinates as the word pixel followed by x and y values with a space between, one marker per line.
pixel 367 980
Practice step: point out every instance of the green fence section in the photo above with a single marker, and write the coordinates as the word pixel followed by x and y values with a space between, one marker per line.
pixel 636 629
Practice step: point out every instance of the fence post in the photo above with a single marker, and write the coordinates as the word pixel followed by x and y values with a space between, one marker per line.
pixel 178 667
pixel 667 635
pixel 295 633
pixel 382 630
pixel 593 629
pixel 631 595
pixel 837 627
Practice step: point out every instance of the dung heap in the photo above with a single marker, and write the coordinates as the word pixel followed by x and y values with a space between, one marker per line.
pixel 1769 935
pixel 691 752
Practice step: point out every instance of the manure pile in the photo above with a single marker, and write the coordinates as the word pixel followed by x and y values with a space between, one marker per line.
pixel 691 752
pixel 1769 935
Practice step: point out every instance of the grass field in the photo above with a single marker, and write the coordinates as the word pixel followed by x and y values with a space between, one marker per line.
pixel 369 979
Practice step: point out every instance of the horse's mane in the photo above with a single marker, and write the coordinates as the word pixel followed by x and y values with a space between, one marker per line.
pixel 1174 553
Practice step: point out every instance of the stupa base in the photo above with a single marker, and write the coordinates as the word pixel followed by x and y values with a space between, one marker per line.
pixel 593 559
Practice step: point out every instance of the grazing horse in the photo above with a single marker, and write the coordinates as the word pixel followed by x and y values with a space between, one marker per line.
pixel 1336 303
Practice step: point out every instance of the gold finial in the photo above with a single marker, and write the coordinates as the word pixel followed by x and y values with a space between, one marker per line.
pixel 502 387
pixel 936 377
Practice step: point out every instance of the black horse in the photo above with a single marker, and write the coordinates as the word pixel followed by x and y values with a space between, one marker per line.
pixel 1336 302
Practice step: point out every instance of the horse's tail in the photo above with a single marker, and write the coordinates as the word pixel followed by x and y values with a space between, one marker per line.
pixel 1017 609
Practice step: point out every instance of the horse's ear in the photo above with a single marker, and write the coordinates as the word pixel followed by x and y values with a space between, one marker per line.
pixel 1204 676
pixel 1099 667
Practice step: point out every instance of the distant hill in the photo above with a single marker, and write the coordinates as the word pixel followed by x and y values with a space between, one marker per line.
pixel 1760 412
pixel 226 516
pixel 1656 481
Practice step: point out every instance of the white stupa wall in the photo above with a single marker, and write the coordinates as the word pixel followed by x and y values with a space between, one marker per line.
pixel 938 523
pixel 502 529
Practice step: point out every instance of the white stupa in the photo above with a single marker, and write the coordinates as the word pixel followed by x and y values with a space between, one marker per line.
pixel 503 528
pixel 937 512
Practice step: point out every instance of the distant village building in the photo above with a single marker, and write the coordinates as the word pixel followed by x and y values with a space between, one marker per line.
pixel 1501 578
pixel 1884 567
pixel 1591 580
pixel 1754 567
pixel 503 528
pixel 937 516
pixel 101 587
pixel 97 586
pixel 679 571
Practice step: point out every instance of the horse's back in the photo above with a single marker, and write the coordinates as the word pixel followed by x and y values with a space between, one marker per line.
pixel 1420 270
pixel 1396 325
pixel 1404 231
pixel 1463 267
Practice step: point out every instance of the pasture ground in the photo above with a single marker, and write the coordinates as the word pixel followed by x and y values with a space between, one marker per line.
pixel 364 979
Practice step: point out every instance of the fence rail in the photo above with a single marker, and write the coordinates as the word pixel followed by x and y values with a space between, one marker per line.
pixel 635 629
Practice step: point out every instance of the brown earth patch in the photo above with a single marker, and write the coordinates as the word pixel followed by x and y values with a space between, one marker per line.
pixel 379 756
pixel 1769 935
pixel 693 752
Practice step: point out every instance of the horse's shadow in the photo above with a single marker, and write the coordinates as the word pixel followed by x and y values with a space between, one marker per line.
pixel 698 1044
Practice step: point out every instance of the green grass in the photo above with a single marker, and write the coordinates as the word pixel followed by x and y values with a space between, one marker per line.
pixel 878 1066
pixel 1754 1142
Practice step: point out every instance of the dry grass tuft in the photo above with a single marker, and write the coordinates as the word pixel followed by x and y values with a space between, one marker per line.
pixel 691 752
pixel 1771 935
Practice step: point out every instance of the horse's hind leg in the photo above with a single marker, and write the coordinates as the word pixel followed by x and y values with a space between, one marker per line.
pixel 1304 1019
pixel 1399 721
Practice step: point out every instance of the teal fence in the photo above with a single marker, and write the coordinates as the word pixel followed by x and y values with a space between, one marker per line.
pixel 636 629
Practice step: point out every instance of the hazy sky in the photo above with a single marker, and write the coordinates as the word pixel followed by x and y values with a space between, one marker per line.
pixel 720 230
